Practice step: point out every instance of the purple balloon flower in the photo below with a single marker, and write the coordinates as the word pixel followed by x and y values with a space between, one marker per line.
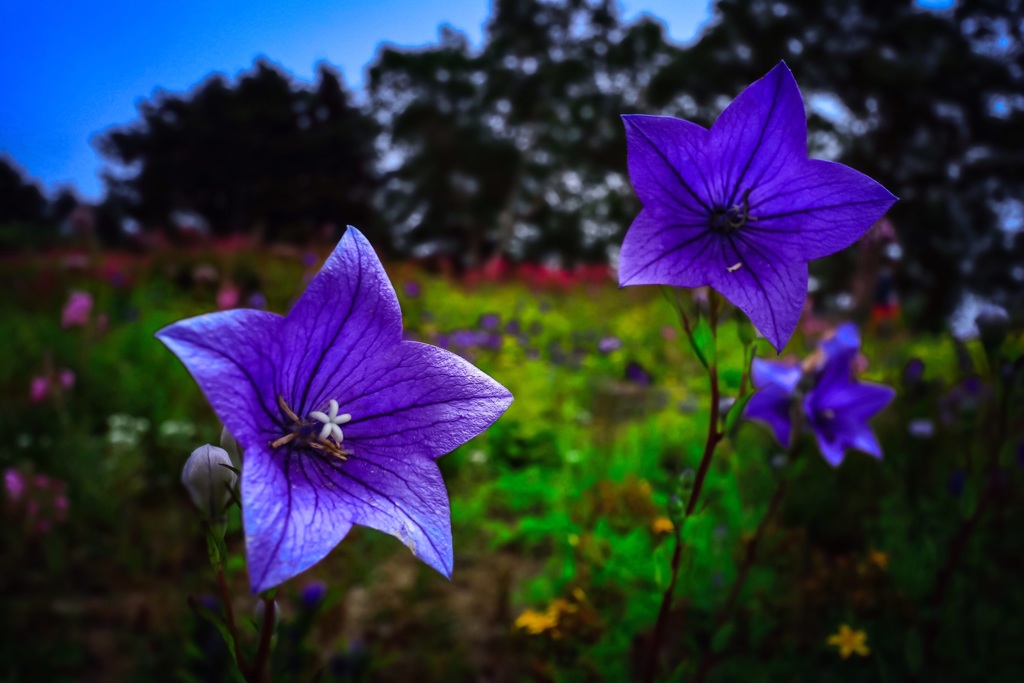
pixel 776 383
pixel 838 409
pixel 740 207
pixel 286 386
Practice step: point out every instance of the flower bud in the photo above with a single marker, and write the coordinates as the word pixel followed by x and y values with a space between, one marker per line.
pixel 208 478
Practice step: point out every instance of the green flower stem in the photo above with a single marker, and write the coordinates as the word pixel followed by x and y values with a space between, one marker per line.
pixel 714 437
pixel 709 660
pixel 229 612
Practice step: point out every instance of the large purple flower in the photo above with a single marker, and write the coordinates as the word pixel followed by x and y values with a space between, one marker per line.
pixel 341 420
pixel 740 207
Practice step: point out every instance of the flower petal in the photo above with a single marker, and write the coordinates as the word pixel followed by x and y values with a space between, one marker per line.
pixel 662 249
pixel 348 314
pixel 419 401
pixel 773 372
pixel 293 514
pixel 232 356
pixel 759 135
pixel 403 497
pixel 767 286
pixel 773 406
pixel 817 208
pixel 666 161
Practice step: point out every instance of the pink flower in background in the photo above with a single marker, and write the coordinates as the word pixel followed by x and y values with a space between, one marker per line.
pixel 76 310
pixel 35 503
pixel 39 389
pixel 14 484
pixel 66 378
pixel 227 297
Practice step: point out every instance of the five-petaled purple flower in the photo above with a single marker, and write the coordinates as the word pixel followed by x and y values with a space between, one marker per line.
pixel 740 207
pixel 341 420
pixel 836 406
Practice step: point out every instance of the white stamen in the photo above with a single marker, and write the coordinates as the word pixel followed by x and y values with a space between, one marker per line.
pixel 735 267
pixel 331 421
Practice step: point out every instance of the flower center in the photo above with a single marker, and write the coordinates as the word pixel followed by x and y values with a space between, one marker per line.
pixel 725 221
pixel 321 431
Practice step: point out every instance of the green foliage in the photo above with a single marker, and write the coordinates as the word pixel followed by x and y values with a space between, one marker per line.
pixel 562 513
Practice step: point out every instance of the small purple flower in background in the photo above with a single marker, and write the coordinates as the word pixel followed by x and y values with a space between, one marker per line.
pixel 740 207
pixel 66 379
pixel 14 484
pixel 636 374
pixel 341 421
pixel 412 289
pixel 489 321
pixel 838 409
pixel 227 297
pixel 39 389
pixel 76 310
pixel 609 344
pixel 258 300
pixel 776 383
pixel 313 594
pixel 913 372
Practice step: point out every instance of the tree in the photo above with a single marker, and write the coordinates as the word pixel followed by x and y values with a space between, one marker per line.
pixel 260 155
pixel 517 149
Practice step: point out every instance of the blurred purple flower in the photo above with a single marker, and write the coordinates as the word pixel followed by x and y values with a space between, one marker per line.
pixel 637 374
pixel 489 321
pixel 76 310
pixel 838 409
pixel 38 389
pixel 913 371
pixel 258 300
pixel 14 484
pixel 740 207
pixel 921 428
pixel 285 387
pixel 412 289
pixel 609 344
pixel 776 383
pixel 66 378
pixel 313 594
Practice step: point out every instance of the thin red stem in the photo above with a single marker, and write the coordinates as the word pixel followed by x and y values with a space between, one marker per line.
pixel 259 668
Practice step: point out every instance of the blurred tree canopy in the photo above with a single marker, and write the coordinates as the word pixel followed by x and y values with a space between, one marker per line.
pixel 516 148
pixel 260 155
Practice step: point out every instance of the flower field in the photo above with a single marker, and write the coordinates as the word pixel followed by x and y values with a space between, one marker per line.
pixel 903 568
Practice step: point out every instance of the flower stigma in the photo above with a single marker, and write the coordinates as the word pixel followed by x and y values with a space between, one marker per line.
pixel 322 432
pixel 728 221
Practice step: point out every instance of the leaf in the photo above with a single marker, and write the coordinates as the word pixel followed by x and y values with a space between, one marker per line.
pixel 702 340
pixel 732 418
pixel 722 636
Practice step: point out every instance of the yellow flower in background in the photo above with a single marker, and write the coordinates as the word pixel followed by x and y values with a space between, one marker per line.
pixel 879 559
pixel 849 642
pixel 662 525
pixel 535 623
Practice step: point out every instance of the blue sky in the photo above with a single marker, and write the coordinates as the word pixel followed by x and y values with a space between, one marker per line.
pixel 72 68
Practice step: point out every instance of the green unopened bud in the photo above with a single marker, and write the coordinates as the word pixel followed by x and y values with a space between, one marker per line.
pixel 676 510
pixel 684 485
pixel 209 479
